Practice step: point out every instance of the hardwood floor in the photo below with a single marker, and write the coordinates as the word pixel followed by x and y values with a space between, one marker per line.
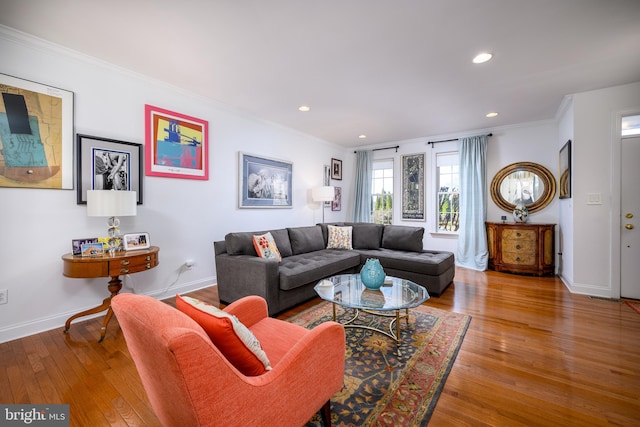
pixel 534 355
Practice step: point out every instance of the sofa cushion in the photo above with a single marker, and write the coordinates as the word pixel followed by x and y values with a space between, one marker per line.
pixel 266 247
pixel 339 237
pixel 233 339
pixel 367 235
pixel 431 263
pixel 402 238
pixel 241 243
pixel 306 239
pixel 299 270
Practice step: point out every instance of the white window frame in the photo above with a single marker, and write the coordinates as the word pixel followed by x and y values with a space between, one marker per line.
pixel 432 201
pixel 387 163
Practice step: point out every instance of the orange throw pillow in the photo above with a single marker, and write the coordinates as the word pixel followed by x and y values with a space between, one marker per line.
pixel 233 339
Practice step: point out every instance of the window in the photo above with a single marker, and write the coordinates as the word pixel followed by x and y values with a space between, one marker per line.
pixel 631 126
pixel 382 192
pixel 448 194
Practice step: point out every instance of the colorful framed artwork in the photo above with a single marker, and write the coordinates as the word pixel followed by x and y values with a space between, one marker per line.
pixel 36 135
pixel 413 187
pixel 336 169
pixel 92 250
pixel 176 145
pixel 107 164
pixel 76 244
pixel 264 182
pixel 135 241
pixel 565 171
pixel 336 203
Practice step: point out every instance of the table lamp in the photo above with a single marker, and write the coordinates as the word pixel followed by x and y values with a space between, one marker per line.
pixel 112 204
pixel 323 194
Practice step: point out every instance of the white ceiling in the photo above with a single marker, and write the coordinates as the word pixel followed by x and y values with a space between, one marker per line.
pixel 390 69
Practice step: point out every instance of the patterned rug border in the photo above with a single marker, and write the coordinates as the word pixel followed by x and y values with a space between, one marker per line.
pixel 446 323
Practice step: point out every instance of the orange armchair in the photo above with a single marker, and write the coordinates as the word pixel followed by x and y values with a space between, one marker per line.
pixel 189 382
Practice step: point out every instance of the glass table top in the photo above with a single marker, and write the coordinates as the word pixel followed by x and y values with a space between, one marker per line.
pixel 348 290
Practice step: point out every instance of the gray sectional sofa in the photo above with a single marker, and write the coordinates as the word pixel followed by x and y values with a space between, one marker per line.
pixel 305 261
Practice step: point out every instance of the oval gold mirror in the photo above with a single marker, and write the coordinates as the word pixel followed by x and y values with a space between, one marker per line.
pixel 530 182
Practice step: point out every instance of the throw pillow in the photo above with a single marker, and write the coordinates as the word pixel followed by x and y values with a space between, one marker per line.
pixel 233 339
pixel 266 246
pixel 339 237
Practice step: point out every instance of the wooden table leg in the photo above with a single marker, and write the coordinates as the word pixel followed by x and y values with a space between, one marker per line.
pixel 115 284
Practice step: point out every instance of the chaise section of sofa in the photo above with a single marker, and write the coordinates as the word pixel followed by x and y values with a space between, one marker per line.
pixel 306 260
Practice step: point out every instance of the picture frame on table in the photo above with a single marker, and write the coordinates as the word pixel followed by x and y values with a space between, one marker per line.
pixel 108 164
pixel 564 162
pixel 92 249
pixel 76 244
pixel 336 169
pixel 36 135
pixel 264 182
pixel 134 241
pixel 176 145
pixel 413 190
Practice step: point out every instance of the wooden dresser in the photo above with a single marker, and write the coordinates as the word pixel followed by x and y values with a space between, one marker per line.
pixel 522 248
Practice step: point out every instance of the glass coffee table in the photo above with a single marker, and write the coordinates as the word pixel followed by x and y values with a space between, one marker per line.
pixel 395 296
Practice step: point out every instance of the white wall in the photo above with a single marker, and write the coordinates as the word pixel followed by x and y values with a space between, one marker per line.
pixel 183 217
pixel 565 215
pixel 596 154
pixel 530 142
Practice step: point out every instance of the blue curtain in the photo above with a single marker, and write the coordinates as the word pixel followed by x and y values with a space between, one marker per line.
pixel 472 238
pixel 364 171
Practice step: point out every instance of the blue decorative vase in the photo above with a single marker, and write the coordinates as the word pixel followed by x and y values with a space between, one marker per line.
pixel 372 274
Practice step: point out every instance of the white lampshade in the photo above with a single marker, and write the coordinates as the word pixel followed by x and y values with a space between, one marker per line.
pixel 323 194
pixel 111 203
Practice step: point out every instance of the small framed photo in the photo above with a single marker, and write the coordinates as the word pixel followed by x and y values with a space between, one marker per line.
pixel 107 164
pixel 336 169
pixel 336 203
pixel 92 249
pixel 76 244
pixel 135 241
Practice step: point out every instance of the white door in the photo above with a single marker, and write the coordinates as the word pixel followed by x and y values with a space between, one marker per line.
pixel 630 219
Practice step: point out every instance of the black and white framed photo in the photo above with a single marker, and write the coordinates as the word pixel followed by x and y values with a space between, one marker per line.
pixel 264 182
pixel 107 164
pixel 336 169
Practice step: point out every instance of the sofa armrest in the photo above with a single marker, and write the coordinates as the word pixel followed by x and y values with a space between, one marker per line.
pixel 242 275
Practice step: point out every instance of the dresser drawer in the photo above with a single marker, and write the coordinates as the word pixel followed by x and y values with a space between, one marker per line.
pixel 133 264
pixel 519 235
pixel 519 258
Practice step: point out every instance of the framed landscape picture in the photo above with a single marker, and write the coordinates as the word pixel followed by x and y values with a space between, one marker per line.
pixel 264 182
pixel 36 135
pixel 176 145
pixel 108 164
pixel 413 187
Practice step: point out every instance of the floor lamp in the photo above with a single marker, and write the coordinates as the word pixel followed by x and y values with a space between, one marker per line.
pixel 323 194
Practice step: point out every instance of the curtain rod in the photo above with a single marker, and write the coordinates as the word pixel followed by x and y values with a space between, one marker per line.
pixel 386 148
pixel 449 140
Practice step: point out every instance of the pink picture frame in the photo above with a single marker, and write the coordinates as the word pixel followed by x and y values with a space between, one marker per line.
pixel 176 145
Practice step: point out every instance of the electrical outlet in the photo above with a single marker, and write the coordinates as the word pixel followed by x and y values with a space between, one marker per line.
pixel 4 296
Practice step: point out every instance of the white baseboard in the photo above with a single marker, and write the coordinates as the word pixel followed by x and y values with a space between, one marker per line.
pixel 21 330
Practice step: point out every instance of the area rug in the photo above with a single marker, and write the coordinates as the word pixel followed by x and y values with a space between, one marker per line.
pixel 634 304
pixel 386 384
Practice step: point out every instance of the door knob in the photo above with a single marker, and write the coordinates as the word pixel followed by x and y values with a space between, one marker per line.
pixel 629 215
pixel 629 226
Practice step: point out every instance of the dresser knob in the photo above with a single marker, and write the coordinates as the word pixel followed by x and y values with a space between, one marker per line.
pixel 518 259
pixel 124 262
pixel 148 258
pixel 518 246
pixel 518 234
pixel 148 265
pixel 124 270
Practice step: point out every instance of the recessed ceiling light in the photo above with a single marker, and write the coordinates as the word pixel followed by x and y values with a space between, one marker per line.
pixel 482 57
pixel 491 114
pixel 362 136
pixel 304 108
